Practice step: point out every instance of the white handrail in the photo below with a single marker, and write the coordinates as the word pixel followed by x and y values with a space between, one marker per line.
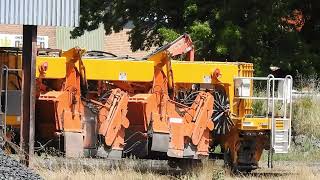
pixel 272 113
pixel 290 108
pixel 271 98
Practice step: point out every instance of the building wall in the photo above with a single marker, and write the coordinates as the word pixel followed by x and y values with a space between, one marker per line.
pixel 116 43
pixel 93 40
pixel 42 31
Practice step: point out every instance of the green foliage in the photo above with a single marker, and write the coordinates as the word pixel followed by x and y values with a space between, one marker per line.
pixel 232 30
pixel 259 108
pixel 201 34
pixel 200 31
pixel 169 35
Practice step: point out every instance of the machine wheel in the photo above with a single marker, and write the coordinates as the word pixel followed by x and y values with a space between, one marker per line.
pixel 221 112
pixel 242 166
pixel 227 158
pixel 228 164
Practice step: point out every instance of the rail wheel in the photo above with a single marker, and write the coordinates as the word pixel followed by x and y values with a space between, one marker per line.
pixel 227 158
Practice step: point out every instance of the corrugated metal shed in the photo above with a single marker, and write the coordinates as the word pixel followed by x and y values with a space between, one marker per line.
pixel 93 40
pixel 40 12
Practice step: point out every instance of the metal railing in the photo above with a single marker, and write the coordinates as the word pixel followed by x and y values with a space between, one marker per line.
pixel 271 99
pixel 4 79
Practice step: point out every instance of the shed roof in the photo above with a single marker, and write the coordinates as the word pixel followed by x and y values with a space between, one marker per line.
pixel 40 12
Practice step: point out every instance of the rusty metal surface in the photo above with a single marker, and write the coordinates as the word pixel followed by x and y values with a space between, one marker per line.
pixel 90 129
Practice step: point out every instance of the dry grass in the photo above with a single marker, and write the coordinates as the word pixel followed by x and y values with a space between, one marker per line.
pixel 297 173
pixel 208 171
pixel 282 170
pixel 98 174
pixel 306 111
pixel 306 116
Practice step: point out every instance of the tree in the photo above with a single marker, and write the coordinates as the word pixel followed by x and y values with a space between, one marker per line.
pixel 232 30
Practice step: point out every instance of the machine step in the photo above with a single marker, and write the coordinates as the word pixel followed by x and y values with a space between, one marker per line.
pixel 281 119
pixel 281 147
pixel 281 141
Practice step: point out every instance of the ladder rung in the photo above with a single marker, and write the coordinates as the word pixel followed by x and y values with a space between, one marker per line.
pixel 12 69
pixel 282 141
pixel 281 152
pixel 284 130
pixel 282 119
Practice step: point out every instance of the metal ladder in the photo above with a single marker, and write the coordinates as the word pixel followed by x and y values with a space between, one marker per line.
pixel 279 122
pixel 280 125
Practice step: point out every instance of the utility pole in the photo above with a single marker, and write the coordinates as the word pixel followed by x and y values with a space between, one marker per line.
pixel 29 54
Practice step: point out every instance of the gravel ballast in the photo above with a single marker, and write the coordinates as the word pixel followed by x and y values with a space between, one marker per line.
pixel 12 169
